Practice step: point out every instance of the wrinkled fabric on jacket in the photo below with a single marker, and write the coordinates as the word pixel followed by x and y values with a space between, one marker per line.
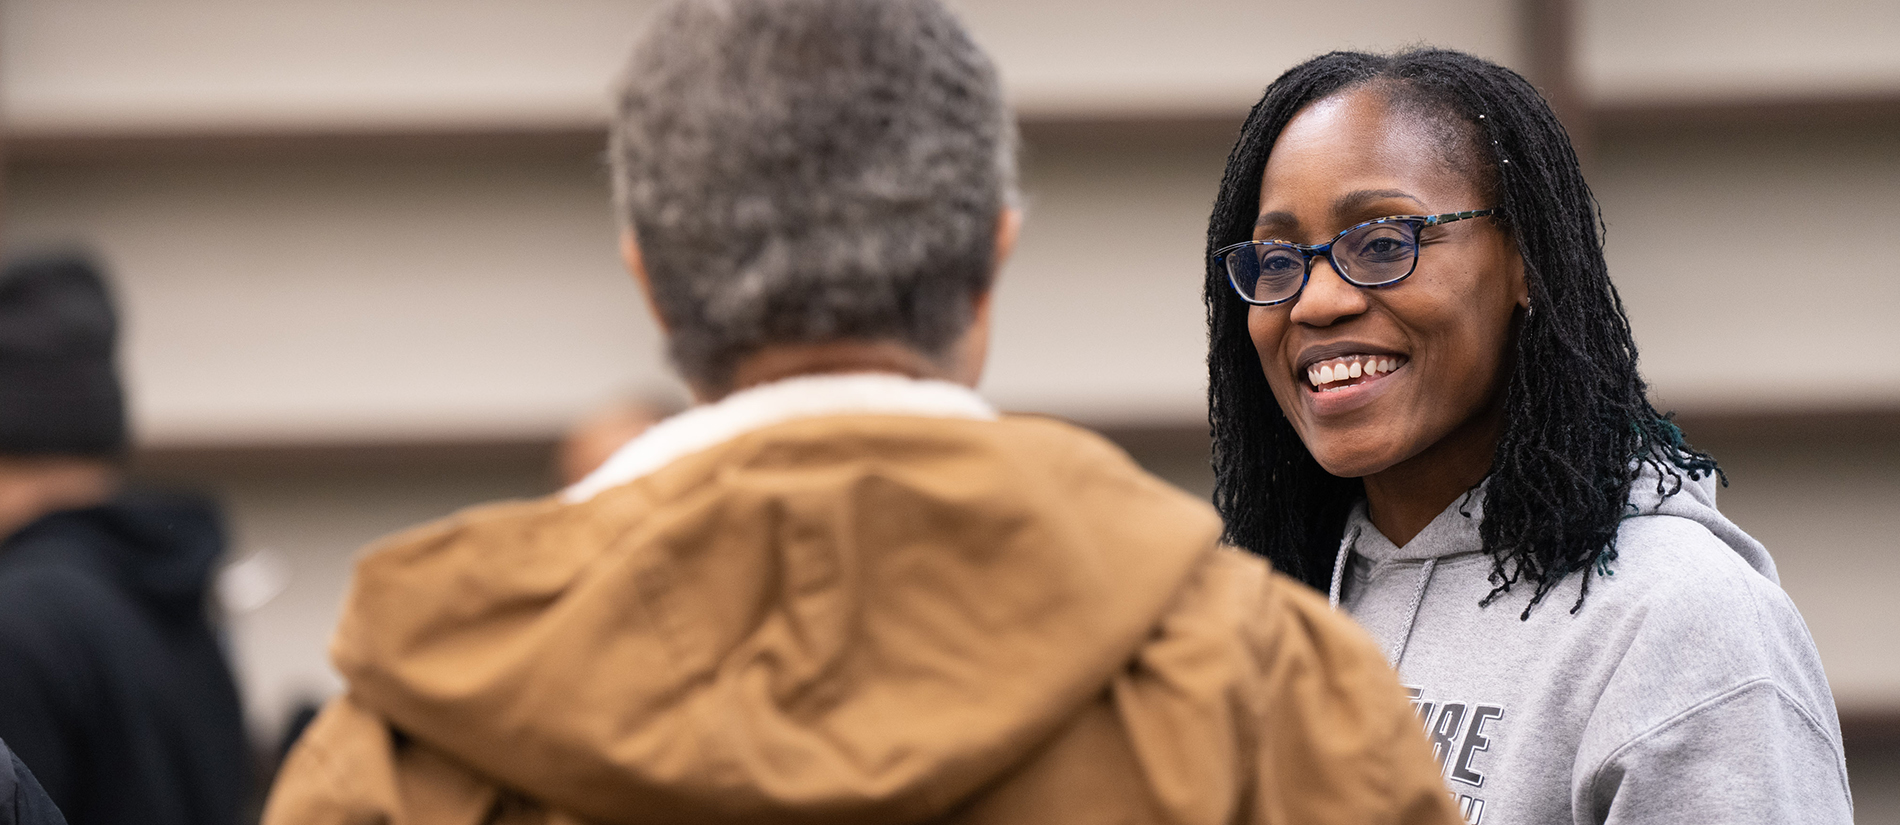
pixel 851 617
pixel 113 686
pixel 1685 689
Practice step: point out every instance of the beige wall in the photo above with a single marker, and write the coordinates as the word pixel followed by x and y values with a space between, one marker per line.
pixel 1633 50
pixel 145 65
pixel 479 296
pixel 1824 507
pixel 1128 57
pixel 148 65
pixel 1748 259
pixel 355 297
pixel 412 264
pixel 446 286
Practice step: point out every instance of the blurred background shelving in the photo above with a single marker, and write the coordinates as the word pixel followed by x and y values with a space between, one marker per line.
pixel 369 272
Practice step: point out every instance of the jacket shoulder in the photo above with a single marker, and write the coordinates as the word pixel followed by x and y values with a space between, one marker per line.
pixel 1067 447
pixel 340 772
pixel 1099 476
pixel 350 768
pixel 1331 734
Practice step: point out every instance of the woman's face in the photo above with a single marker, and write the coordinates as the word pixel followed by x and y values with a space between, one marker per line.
pixel 1423 361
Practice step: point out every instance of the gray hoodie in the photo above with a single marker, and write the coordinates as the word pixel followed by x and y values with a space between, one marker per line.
pixel 1686 689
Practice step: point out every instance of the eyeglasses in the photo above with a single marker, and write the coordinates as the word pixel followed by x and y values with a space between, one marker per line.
pixel 1375 253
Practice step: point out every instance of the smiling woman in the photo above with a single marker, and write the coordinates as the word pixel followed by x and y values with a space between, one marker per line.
pixel 1351 158
pixel 1424 394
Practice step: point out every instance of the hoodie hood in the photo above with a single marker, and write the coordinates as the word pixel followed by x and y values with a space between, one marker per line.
pixel 1454 532
pixel 1654 494
pixel 844 618
pixel 160 547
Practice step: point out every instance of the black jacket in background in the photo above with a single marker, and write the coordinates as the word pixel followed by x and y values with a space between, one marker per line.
pixel 113 688
pixel 22 800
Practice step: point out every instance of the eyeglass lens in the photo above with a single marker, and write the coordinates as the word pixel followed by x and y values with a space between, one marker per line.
pixel 1374 254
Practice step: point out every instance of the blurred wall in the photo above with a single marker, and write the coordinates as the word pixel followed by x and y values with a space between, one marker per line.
pixel 369 271
pixel 187 139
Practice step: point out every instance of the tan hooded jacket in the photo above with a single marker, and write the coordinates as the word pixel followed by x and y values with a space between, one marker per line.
pixel 859 618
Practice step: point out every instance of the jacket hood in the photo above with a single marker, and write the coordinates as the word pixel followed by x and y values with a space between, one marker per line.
pixel 159 546
pixel 844 618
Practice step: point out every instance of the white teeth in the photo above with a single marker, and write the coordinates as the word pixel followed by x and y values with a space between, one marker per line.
pixel 1347 368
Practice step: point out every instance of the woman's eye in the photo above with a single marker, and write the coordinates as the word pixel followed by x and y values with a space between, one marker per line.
pixel 1385 249
pixel 1280 272
pixel 1278 264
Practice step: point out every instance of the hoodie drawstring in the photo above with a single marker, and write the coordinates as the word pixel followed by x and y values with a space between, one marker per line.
pixel 1418 593
pixel 1339 567
pixel 1411 616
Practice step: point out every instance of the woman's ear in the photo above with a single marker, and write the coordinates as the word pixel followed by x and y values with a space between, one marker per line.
pixel 1520 282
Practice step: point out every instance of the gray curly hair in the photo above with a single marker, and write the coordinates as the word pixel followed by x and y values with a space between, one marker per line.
pixel 805 171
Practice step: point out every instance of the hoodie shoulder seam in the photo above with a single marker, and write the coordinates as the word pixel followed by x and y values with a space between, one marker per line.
pixel 1807 717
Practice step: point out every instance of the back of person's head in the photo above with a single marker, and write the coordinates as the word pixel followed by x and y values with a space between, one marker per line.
pixel 59 383
pixel 810 171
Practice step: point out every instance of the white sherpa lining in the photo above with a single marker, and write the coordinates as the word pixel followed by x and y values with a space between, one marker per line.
pixel 755 408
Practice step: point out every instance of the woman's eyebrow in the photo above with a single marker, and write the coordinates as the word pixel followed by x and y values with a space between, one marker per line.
pixel 1347 205
pixel 1356 200
pixel 1276 218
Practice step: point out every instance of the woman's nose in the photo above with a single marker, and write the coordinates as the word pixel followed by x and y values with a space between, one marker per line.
pixel 1327 298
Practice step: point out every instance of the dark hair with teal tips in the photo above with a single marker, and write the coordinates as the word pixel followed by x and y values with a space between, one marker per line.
pixel 1579 426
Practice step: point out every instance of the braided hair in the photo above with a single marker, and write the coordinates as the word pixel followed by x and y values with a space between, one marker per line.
pixel 1578 424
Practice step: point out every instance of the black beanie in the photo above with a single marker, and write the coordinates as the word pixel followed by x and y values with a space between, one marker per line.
pixel 59 386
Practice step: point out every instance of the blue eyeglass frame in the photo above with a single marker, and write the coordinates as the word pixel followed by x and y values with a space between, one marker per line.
pixel 1307 252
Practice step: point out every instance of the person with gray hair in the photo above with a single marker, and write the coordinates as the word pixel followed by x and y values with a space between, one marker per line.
pixel 779 191
pixel 842 587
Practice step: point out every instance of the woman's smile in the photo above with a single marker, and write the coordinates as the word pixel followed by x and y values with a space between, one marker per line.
pixel 1342 378
pixel 1351 371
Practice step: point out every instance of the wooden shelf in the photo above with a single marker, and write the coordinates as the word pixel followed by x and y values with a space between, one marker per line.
pixel 1606 121
pixel 189 462
pixel 83 147
pixel 1871 730
pixel 1860 425
pixel 1634 119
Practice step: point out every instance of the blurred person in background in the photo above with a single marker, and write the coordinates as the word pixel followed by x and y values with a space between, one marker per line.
pixel 1425 396
pixel 842 588
pixel 22 800
pixel 113 685
pixel 597 436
